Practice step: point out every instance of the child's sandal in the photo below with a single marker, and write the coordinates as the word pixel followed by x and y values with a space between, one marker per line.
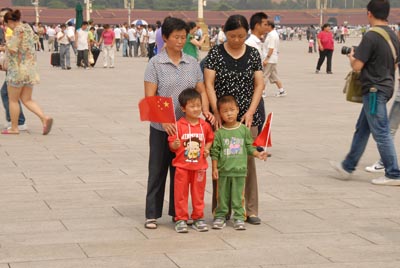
pixel 150 224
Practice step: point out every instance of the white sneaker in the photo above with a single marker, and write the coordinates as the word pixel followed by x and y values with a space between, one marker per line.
pixel 23 127
pixel 376 167
pixel 386 181
pixel 264 94
pixel 341 173
pixel 281 93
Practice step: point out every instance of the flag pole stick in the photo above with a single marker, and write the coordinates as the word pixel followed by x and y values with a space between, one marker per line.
pixel 269 131
pixel 176 124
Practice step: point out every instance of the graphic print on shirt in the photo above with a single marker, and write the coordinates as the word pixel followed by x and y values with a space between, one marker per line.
pixel 233 146
pixel 192 149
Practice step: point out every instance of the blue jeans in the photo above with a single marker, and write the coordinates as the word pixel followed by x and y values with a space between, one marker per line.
pixel 378 126
pixel 125 47
pixel 4 98
pixel 394 121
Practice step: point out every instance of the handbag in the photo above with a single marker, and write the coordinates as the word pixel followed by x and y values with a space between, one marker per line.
pixel 353 87
pixel 90 58
pixel 3 61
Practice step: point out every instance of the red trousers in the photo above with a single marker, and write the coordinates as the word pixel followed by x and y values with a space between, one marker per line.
pixel 196 181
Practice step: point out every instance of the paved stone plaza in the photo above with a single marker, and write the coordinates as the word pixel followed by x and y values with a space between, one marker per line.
pixel 75 198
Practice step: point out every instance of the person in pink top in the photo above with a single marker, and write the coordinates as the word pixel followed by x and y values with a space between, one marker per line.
pixel 108 37
pixel 325 44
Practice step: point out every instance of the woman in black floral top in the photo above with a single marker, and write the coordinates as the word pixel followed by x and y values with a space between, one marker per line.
pixel 233 68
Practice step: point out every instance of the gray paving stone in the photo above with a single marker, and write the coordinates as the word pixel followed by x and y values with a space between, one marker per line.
pixel 19 253
pixel 135 261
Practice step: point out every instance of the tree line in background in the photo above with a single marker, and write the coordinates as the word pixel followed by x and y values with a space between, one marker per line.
pixel 222 5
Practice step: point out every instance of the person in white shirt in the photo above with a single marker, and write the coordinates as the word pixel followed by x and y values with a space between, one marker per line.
pixel 117 32
pixel 63 40
pixel 270 58
pixel 144 39
pixel 71 35
pixel 133 41
pixel 51 33
pixel 125 39
pixel 82 45
pixel 221 36
pixel 152 41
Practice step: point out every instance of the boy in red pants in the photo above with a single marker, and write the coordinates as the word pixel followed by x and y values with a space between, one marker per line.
pixel 191 144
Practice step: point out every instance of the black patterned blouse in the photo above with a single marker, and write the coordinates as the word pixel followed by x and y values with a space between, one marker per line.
pixel 235 76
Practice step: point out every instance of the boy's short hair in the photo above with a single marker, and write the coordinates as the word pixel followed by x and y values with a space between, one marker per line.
pixel 187 95
pixel 226 99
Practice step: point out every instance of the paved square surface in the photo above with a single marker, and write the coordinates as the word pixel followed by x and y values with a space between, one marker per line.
pixel 75 198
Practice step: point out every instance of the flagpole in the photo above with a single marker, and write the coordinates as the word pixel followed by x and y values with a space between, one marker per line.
pixel 176 123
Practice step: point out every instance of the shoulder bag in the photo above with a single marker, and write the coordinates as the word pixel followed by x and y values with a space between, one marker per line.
pixel 353 87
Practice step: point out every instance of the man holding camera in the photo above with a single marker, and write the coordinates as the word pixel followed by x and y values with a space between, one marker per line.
pixel 375 60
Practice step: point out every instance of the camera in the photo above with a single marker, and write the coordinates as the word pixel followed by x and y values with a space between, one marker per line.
pixel 347 50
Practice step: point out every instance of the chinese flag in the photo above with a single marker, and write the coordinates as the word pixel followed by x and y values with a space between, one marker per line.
pixel 264 138
pixel 157 109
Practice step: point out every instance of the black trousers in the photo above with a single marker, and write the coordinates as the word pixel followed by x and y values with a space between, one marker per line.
pixel 328 55
pixel 83 58
pixel 160 161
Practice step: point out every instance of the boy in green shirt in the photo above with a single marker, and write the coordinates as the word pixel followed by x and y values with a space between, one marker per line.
pixel 232 144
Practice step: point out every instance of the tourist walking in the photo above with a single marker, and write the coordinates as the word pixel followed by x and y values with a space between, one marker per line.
pixel 22 72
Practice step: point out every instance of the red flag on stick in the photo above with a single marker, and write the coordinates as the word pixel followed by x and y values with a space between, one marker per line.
pixel 264 138
pixel 157 109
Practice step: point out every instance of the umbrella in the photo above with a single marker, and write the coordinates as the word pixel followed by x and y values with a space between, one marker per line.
pixel 72 20
pixel 78 16
pixel 140 22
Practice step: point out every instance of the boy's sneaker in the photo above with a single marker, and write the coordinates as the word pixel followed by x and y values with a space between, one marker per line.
pixel 200 226
pixel 281 93
pixel 341 173
pixel 239 225
pixel 386 181
pixel 181 227
pixel 218 223
pixel 376 167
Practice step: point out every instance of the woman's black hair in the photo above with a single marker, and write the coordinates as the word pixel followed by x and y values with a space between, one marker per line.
pixel 235 22
pixel 12 15
pixel 325 25
pixel 171 24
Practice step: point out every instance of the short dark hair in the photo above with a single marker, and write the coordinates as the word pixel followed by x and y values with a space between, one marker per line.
pixel 257 18
pixel 235 22
pixel 226 99
pixel 85 22
pixel 188 95
pixel 171 24
pixel 5 9
pixel 379 9
pixel 325 26
pixel 12 15
pixel 191 25
pixel 63 25
pixel 271 23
